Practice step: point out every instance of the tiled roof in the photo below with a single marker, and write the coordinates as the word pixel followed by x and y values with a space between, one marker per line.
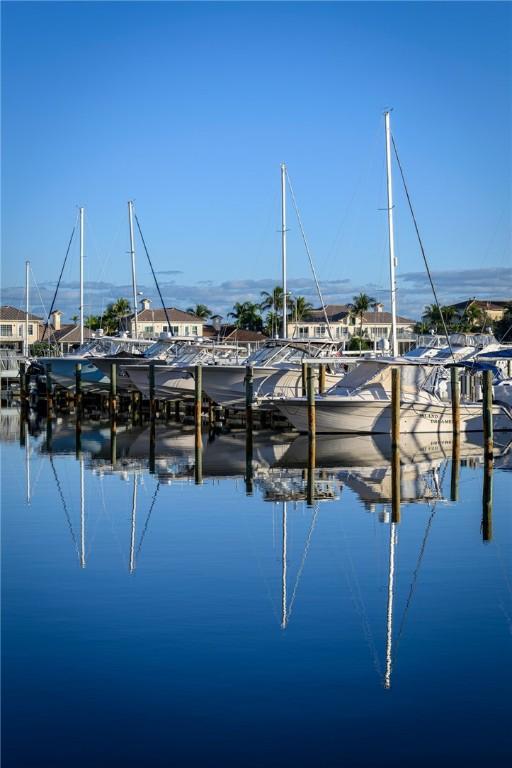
pixel 175 316
pixel 334 312
pixel 496 305
pixel 70 334
pixel 11 313
pixel 384 317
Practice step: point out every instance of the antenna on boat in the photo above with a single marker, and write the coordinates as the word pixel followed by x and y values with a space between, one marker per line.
pixel 283 249
pixel 391 230
pixel 284 612
pixel 27 275
pixel 134 280
pixel 81 276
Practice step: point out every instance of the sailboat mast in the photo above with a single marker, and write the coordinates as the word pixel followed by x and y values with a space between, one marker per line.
pixel 391 229
pixel 284 609
pixel 389 617
pixel 134 280
pixel 134 517
pixel 27 304
pixel 283 249
pixel 81 275
pixel 82 512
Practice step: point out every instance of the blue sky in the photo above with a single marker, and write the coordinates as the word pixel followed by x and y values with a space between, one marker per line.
pixel 189 108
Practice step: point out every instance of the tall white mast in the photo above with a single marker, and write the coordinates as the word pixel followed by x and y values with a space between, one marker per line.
pixel 284 609
pixel 134 516
pixel 81 275
pixel 389 615
pixel 27 303
pixel 392 257
pixel 82 511
pixel 283 248
pixel 134 279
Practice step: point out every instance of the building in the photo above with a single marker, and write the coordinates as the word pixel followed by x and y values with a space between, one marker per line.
pixel 152 322
pixel 343 324
pixel 13 328
pixel 230 334
pixel 488 308
pixel 66 335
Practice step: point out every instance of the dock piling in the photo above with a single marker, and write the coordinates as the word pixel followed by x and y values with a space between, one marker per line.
pixel 311 402
pixel 455 392
pixel 321 378
pixel 395 407
pixel 487 415
pixel 113 391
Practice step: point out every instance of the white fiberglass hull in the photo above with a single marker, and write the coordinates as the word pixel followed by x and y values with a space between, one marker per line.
pixel 171 383
pixel 346 415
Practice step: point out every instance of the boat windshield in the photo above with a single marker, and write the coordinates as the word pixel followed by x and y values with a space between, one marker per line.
pixel 271 355
pixel 371 374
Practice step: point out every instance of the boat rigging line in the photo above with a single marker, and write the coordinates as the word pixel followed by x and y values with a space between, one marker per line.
pixel 47 324
pixel 422 249
pixel 313 270
pixel 154 276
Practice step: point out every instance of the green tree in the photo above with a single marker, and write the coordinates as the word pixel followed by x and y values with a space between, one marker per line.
pixel 114 314
pixel 300 308
pixel 503 327
pixel 93 322
pixel 247 315
pixel 201 311
pixel 359 306
pixel 272 300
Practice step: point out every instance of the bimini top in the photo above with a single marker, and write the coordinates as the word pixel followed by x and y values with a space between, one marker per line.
pixel 377 373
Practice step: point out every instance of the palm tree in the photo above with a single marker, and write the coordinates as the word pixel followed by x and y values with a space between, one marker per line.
pixel 272 300
pixel 360 305
pixel 201 311
pixel 300 308
pixel 247 315
pixel 74 318
pixel 114 313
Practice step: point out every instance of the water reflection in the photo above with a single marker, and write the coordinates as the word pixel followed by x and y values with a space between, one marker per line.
pixel 285 470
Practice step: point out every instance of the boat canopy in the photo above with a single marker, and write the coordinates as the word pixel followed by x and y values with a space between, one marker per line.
pixel 367 375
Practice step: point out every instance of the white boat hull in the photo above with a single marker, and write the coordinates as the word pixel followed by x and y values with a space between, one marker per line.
pixel 374 417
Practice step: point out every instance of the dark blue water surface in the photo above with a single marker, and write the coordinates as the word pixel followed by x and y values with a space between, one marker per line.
pixel 152 621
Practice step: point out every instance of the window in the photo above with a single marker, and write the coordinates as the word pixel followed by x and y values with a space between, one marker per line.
pixel 5 330
pixel 320 330
pixel 187 330
pixel 176 330
pixel 148 329
pixel 21 330
pixel 303 331
pixel 164 329
pixel 195 330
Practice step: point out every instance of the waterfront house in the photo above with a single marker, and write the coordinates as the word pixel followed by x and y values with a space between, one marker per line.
pixel 13 328
pixel 152 322
pixel 376 325
pixel 490 310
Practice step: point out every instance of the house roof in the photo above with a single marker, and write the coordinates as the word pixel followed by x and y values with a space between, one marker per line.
pixel 337 312
pixel 493 305
pixel 70 334
pixel 229 332
pixel 334 312
pixel 12 313
pixel 385 317
pixel 175 316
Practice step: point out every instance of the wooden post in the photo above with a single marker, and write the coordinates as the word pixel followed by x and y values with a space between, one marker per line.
pixel 198 461
pixel 321 378
pixel 113 390
pixel 49 391
pixel 311 402
pixel 177 410
pixel 113 442
pixel 152 390
pixel 152 445
pixel 487 501
pixel 487 414
pixel 198 398
pixel 395 484
pixel 455 390
pixel 395 406
pixel 248 462
pixel 310 490
pixel 211 418
pixel 23 385
pixel 454 482
pixel 304 379
pixel 249 393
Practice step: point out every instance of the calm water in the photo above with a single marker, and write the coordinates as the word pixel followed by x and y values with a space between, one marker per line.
pixel 152 621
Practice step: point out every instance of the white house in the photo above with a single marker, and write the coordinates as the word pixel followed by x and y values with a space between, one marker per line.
pixel 152 322
pixel 376 325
